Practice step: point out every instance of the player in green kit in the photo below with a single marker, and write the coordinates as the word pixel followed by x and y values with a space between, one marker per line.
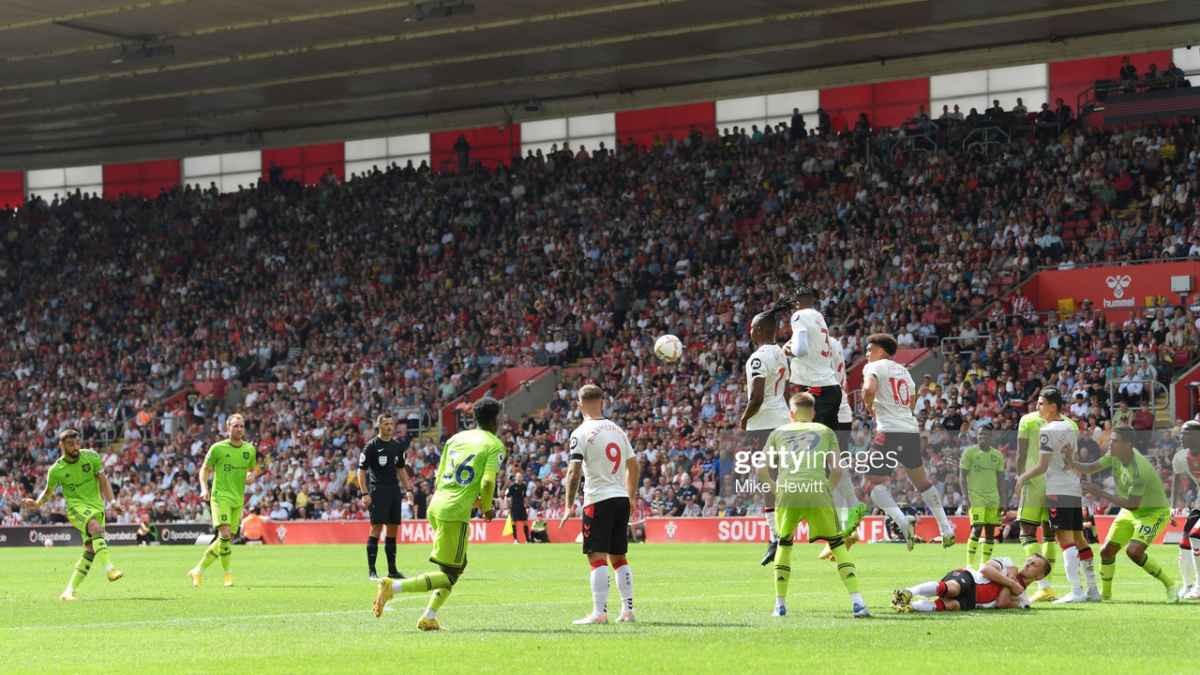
pixel 805 455
pixel 466 480
pixel 1032 511
pixel 979 471
pixel 80 473
pixel 1144 511
pixel 228 462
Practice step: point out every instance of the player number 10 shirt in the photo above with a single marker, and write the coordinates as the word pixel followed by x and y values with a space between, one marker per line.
pixel 893 396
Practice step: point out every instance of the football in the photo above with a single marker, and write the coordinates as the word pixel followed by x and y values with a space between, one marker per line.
pixel 668 348
pixel 47 542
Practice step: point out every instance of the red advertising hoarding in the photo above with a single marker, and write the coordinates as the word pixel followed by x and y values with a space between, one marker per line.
pixel 1118 290
pixel 658 530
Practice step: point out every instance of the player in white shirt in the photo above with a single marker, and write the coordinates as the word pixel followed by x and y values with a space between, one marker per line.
pixel 998 584
pixel 810 351
pixel 1186 465
pixel 889 396
pixel 600 452
pixel 849 509
pixel 1058 443
pixel 767 408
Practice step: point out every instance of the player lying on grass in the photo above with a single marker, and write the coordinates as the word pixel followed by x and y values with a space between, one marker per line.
pixel 81 475
pixel 998 584
pixel 466 481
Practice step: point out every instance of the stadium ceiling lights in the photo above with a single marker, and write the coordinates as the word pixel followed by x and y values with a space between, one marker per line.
pixel 441 9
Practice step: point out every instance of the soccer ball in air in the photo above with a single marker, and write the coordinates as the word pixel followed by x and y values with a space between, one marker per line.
pixel 668 348
pixel 47 542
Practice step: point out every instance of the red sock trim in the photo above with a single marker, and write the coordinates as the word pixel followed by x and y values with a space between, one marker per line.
pixel 939 605
pixel 619 563
pixel 1067 548
pixel 941 588
pixel 769 509
pixel 1185 543
pixel 598 563
pixel 1086 554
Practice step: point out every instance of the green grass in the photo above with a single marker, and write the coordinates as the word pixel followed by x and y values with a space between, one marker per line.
pixel 701 608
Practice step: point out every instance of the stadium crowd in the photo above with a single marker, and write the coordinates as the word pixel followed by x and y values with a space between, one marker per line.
pixel 314 308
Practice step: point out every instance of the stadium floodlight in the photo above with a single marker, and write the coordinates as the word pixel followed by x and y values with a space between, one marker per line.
pixel 440 9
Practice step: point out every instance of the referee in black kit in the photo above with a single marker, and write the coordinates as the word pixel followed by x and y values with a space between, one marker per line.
pixel 384 458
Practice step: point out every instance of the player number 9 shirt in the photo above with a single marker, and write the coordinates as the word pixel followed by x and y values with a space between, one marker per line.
pixel 603 447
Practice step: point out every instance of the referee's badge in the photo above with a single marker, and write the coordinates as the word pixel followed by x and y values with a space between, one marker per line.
pixel 383 459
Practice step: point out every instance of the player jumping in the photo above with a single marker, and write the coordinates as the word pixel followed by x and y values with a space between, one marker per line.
pixel 1144 511
pixel 997 584
pixel 228 461
pixel 766 385
pixel 1058 442
pixel 849 509
pixel 466 479
pixel 383 458
pixel 804 453
pixel 1186 464
pixel 888 395
pixel 600 452
pixel 87 490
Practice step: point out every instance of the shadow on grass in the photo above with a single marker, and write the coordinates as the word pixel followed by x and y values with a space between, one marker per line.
pixel 286 586
pixel 522 631
pixel 684 624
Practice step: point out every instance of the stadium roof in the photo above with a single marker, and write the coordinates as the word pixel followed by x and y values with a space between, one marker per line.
pixel 97 78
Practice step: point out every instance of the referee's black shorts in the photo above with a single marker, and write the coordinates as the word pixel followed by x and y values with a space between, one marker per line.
pixel 385 505
pixel 828 402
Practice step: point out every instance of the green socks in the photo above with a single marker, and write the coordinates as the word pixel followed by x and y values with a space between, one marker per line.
pixel 225 552
pixel 100 547
pixel 1108 569
pixel 846 568
pixel 430 581
pixel 972 550
pixel 783 569
pixel 82 567
pixel 988 545
pixel 1155 570
pixel 211 554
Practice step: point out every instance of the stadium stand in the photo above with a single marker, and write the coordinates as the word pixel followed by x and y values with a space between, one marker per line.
pixel 146 321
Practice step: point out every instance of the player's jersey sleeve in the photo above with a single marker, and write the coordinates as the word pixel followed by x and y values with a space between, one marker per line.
pixel 756 367
pixel 575 446
pixel 53 479
pixel 495 458
pixel 97 463
pixel 214 455
pixel 1002 564
pixel 1025 430
pixel 367 456
pixel 1179 464
pixel 870 371
pixel 1106 461
pixel 968 458
pixel 801 340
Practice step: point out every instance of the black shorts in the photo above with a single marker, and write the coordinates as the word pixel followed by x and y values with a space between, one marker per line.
pixel 892 446
pixel 605 526
pixel 385 505
pixel 966 582
pixel 1066 512
pixel 828 402
pixel 1192 519
pixel 519 514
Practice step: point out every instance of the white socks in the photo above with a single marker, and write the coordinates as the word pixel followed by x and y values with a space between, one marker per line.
pixel 882 498
pixel 1089 572
pixel 1187 567
pixel 843 494
pixel 599 578
pixel 769 516
pixel 933 502
pixel 396 586
pixel 923 605
pixel 1071 567
pixel 625 586
pixel 927 589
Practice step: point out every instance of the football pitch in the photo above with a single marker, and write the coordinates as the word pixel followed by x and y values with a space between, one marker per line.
pixel 700 608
